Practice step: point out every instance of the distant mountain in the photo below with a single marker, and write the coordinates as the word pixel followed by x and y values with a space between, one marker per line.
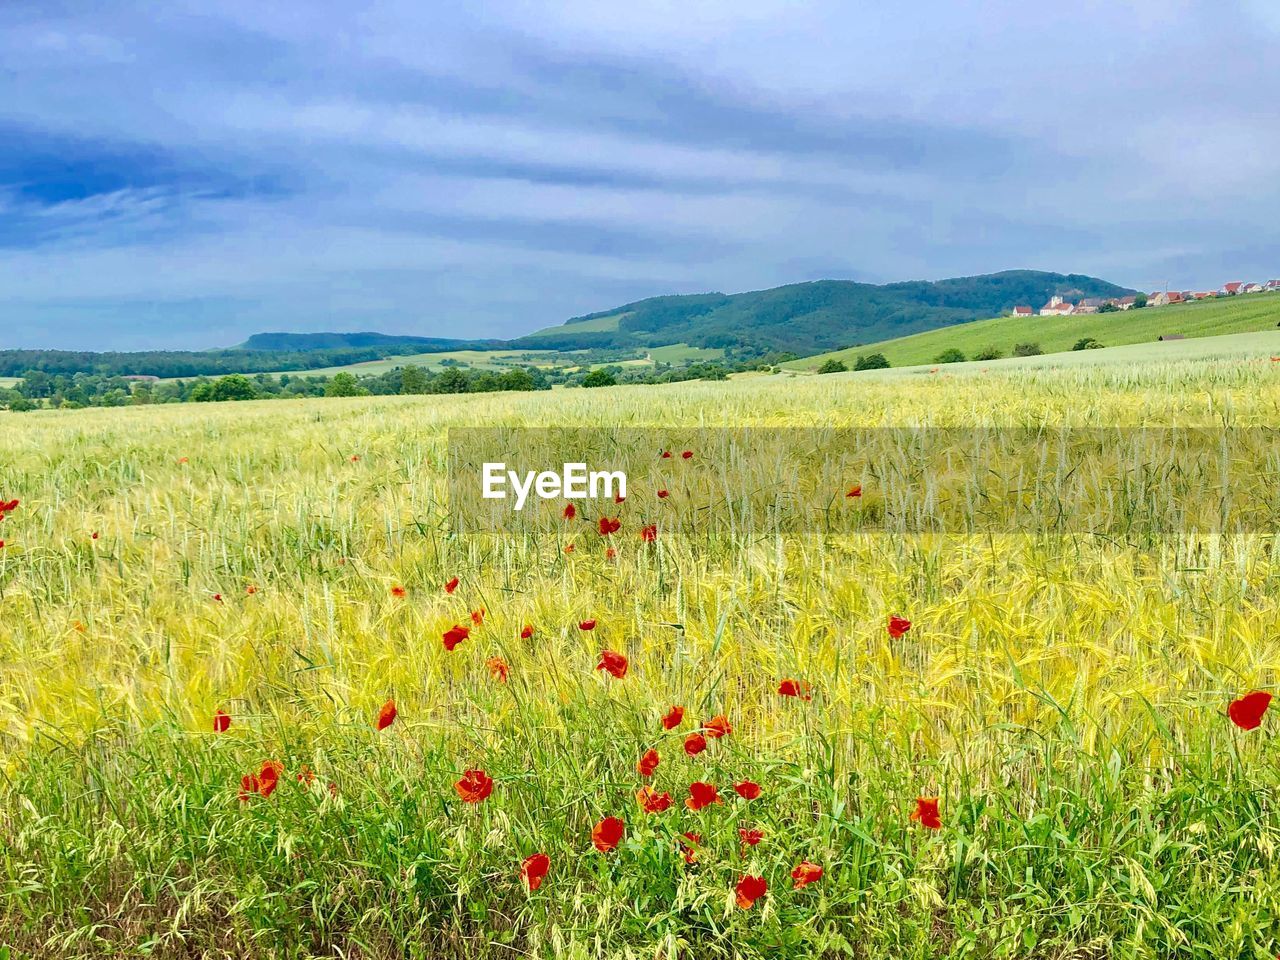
pixel 813 317
pixel 391 344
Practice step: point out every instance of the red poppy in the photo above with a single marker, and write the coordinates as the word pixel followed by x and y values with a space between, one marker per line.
pixel 217 597
pixel 694 744
pixel 94 535
pixel 251 589
pixel 607 834
pixel 651 801
pixel 306 776
pixel 183 460
pixel 854 492
pixel 474 786
pixel 570 511
pixel 248 785
pixel 751 836
pixel 477 616
pixel 355 458
pixel 269 777
pixel 926 813
pixel 498 668
pixel 7 506
pixel 586 625
pixel 614 662
pixel 717 727
pixel 663 494
pixel 701 795
pixel 387 715
pixel 610 553
pixel 455 635
pixel 898 626
pixel 618 498
pixel 666 454
pixel 534 869
pixel 687 454
pixel 648 763
pixel 795 688
pixel 527 632
pixel 805 873
pixel 673 718
pixel 220 721
pixel 569 548
pixel 451 586
pixel 688 844
pixel 609 525
pixel 747 789
pixel 1 541
pixel 650 533
pixel 749 890
pixel 398 591
pixel 1246 712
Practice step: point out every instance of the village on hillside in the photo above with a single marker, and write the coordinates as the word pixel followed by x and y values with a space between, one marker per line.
pixel 1060 307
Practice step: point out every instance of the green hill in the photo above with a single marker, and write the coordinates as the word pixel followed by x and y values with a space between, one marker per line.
pixel 387 343
pixel 811 317
pixel 1205 318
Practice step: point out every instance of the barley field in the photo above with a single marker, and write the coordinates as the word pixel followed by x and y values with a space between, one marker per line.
pixel 246 711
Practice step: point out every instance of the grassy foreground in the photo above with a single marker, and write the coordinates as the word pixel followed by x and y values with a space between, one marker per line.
pixel 285 563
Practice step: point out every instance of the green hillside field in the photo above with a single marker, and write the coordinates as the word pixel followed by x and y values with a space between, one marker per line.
pixel 1206 318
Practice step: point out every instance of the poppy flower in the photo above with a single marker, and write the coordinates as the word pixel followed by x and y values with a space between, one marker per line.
pixel 648 763
pixel 474 786
pixel 666 454
pixel 534 869
pixel 454 636
pixel 248 785
pixel 306 776
pixel 184 460
pixel 387 715
pixel 805 873
pixel 701 795
pixel 570 511
pixel 527 632
pixel 610 553
pixel 221 722
pixel 451 586
pixel 1246 712
pixel 609 525
pixel 687 454
pixel 498 668
pixel 651 801
pixel 688 844
pixel 94 535
pixel 618 498
pixel 398 591
pixel 694 744
pixel 355 458
pixel 569 548
pixel 650 533
pixel 7 506
pixel 747 789
pixel 614 662
pixel 854 492
pixel 607 834
pixel 673 718
pixel 251 589
pixel 898 626
pixel 1 544
pixel 751 836
pixel 477 616
pixel 926 813
pixel 217 598
pixel 586 624
pixel 795 688
pixel 717 727
pixel 663 494
pixel 269 777
pixel 749 890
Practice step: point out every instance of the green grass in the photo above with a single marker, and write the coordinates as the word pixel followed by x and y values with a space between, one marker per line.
pixel 682 353
pixel 1254 312
pixel 10 381
pixel 598 325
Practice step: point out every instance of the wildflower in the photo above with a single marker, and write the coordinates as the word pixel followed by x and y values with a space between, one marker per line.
pixel 898 626
pixel 474 786
pixel 673 718
pixel 534 869
pixel 387 715
pixel 570 511
pixel 451 586
pixel 264 782
pixel 220 721
pixel 618 498
pixel 648 763
pixel 355 458
pixel 498 668
pixel 805 873
pixel 477 616
pixel 607 834
pixel 666 454
pixel 926 813
pixel 250 590
pixel 701 795
pixel 663 494
pixel 610 553
pixel 614 662
pixel 398 591
pixel 688 845
pixel 751 836
pixel 569 548
pixel 687 454
pixel 454 636
pixel 651 801
pixel 718 727
pixel 795 688
pixel 749 890
pixel 747 789
pixel 306 776
pixel 586 624
pixel 650 533
pixel 609 525
pixel 184 460
pixel 527 632
pixel 694 744
pixel 1246 712
pixel 8 506
pixel 854 492
pixel 94 535
pixel 217 597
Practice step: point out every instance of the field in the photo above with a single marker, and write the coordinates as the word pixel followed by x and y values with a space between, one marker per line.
pixel 1205 318
pixel 1064 697
pixel 598 325
pixel 484 359
pixel 9 381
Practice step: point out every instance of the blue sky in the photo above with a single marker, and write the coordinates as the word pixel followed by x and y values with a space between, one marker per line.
pixel 181 175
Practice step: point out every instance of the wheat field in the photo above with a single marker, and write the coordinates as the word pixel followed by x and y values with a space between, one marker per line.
pixel 207 611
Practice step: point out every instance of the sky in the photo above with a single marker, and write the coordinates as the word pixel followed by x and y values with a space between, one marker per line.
pixel 180 175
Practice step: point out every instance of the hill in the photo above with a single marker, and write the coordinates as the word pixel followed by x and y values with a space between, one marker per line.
pixel 1205 318
pixel 383 342
pixel 811 317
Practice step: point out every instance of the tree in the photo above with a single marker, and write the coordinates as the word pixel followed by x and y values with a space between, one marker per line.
pixel 1108 308
pixel 949 355
pixel 600 377
pixel 234 386
pixel 832 366
pixel 451 380
pixel 343 385
pixel 1027 350
pixel 988 353
pixel 872 361
pixel 1139 301
pixel 1086 343
pixel 414 380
